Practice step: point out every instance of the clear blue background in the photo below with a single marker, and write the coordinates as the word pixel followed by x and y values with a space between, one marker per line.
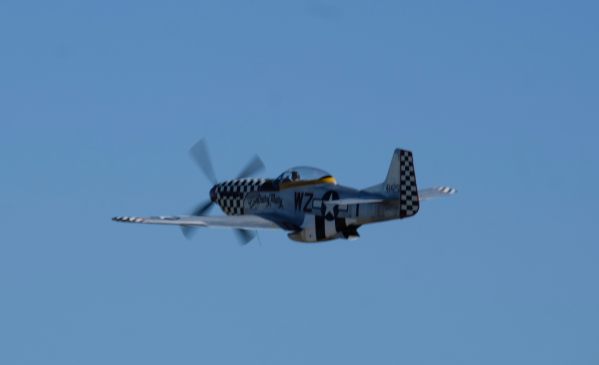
pixel 100 101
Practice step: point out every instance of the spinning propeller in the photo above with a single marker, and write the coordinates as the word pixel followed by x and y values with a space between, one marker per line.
pixel 200 155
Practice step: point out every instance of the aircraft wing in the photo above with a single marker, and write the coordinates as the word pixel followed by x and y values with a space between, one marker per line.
pixel 438 192
pixel 228 221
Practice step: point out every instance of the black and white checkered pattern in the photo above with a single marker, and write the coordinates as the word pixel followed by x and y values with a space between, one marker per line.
pixel 408 191
pixel 230 194
pixel 446 190
pixel 128 219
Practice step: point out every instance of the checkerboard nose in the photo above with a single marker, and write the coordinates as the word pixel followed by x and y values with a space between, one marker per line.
pixel 213 194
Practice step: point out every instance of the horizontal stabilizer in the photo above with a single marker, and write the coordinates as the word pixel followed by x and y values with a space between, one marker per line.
pixel 351 201
pixel 437 192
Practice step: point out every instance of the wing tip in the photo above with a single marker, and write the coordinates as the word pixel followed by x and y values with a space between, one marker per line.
pixel 128 219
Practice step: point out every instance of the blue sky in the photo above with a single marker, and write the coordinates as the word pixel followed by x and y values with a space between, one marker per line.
pixel 100 101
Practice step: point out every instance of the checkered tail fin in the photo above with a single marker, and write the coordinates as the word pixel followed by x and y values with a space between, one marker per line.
pixel 401 183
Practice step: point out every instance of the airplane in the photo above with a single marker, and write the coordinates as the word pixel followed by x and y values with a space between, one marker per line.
pixel 305 201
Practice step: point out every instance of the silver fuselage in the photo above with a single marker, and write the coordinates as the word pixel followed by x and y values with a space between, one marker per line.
pixel 307 209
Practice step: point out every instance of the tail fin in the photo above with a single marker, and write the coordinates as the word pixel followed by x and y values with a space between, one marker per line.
pixel 401 183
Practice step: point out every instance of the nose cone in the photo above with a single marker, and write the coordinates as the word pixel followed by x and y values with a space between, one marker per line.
pixel 213 194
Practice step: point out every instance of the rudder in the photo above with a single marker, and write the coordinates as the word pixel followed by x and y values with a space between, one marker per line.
pixel 401 182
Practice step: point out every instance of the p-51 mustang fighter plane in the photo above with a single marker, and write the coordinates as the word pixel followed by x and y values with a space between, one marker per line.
pixel 305 201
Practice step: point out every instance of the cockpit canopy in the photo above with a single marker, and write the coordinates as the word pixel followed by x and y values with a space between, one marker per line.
pixel 304 173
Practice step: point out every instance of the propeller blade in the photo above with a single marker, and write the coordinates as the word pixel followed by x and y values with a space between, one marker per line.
pixel 245 236
pixel 202 208
pixel 199 154
pixel 189 231
pixel 255 165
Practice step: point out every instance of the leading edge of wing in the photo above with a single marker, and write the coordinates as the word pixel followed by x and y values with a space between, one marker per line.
pixel 240 221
